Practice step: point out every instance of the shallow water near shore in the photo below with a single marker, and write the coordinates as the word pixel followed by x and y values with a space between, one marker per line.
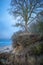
pixel 5 42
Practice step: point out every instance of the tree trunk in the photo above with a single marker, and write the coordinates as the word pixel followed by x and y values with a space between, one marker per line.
pixel 26 27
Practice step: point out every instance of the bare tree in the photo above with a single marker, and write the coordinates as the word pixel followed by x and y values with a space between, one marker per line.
pixel 25 11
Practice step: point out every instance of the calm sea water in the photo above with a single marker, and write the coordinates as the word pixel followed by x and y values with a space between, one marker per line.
pixel 5 42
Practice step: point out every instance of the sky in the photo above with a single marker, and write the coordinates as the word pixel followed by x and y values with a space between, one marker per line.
pixel 6 20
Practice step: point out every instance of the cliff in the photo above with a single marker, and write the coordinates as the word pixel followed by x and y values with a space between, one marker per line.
pixel 28 49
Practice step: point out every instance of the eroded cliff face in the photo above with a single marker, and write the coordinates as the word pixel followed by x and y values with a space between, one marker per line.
pixel 23 51
pixel 27 50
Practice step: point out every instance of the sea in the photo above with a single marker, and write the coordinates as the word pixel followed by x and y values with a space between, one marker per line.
pixel 5 42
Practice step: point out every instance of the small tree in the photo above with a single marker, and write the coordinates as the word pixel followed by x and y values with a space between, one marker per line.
pixel 25 11
pixel 40 22
pixel 37 27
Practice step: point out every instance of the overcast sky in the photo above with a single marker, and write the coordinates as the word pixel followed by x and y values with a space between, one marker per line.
pixel 6 20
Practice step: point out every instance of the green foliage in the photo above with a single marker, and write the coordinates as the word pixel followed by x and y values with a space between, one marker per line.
pixel 38 50
pixel 40 27
pixel 37 27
